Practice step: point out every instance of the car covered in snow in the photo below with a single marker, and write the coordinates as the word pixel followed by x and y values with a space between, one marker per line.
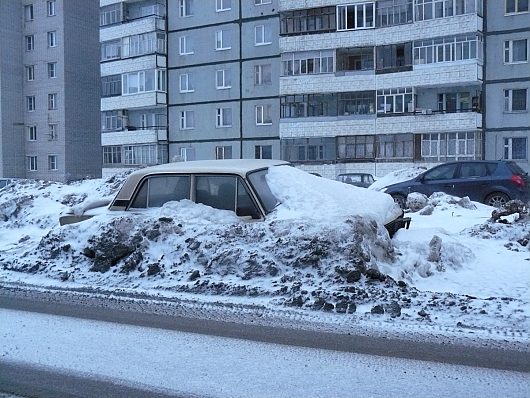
pixel 242 186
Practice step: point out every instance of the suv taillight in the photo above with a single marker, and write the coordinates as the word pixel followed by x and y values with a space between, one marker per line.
pixel 518 180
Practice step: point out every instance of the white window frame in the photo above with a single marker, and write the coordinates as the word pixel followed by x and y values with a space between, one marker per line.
pixel 508 101
pixel 185 8
pixel 185 85
pixel 516 11
pixel 52 39
pixel 264 115
pixel 52 101
pixel 222 114
pixel 259 149
pixel 31 163
pixel 30 73
pixel 185 45
pixel 508 148
pixel 30 103
pixel 52 131
pixel 50 8
pixel 223 5
pixel 222 79
pixel 222 40
pixel 223 152
pixel 187 120
pixel 342 13
pixel 52 70
pixel 53 163
pixel 262 2
pixel 508 51
pixel 262 35
pixel 28 13
pixel 258 74
pixel 32 133
pixel 29 42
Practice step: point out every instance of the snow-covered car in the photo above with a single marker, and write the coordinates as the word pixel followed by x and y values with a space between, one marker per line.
pixel 238 185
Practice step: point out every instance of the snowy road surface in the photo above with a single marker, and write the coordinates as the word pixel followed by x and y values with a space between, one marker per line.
pixel 191 364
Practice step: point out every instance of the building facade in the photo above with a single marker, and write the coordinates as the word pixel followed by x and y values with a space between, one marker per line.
pixel 133 84
pixel 223 74
pixel 507 83
pixel 49 90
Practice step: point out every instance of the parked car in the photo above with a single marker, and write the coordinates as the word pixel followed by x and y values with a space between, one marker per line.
pixel 4 182
pixel 236 185
pixel 493 182
pixel 358 179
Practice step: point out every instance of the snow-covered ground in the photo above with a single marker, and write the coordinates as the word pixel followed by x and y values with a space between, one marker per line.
pixel 323 253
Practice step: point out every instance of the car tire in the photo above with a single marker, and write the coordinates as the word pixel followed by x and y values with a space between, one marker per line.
pixel 400 200
pixel 496 199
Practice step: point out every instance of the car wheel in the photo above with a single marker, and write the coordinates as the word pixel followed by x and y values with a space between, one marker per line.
pixel 497 199
pixel 400 200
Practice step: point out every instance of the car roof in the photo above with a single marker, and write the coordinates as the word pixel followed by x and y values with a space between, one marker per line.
pixel 222 166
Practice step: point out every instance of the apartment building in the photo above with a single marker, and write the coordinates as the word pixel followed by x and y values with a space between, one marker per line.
pixel 133 62
pixel 49 79
pixel 379 85
pixel 223 74
pixel 507 82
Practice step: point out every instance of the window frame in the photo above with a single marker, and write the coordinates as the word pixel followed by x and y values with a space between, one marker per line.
pixel 31 133
pixel 263 115
pixel 52 101
pixel 508 100
pixel 259 74
pixel 53 162
pixel 29 42
pixel 32 163
pixel 29 14
pixel 113 153
pixel 509 151
pixel 343 20
pixel 187 120
pixel 509 51
pixel 31 103
pixel 260 149
pixel 222 40
pixel 185 85
pixel 223 152
pixel 264 33
pixel 223 76
pixel 184 45
pixel 516 8
pixel 30 73
pixel 51 37
pixel 185 8
pixel 52 70
pixel 221 116
pixel 50 8
pixel 52 131
pixel 220 5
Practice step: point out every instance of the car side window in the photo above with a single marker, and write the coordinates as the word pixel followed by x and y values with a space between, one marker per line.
pixel 473 170
pixel 216 191
pixel 443 172
pixel 157 190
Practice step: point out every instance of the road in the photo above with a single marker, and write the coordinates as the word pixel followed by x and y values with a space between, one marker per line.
pixel 52 348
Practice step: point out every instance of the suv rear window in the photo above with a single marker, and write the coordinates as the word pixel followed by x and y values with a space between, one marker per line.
pixel 515 168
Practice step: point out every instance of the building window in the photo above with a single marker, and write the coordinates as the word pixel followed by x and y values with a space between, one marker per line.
pixel 309 105
pixel 395 100
pixel 185 85
pixel 356 147
pixel 30 103
pixel 263 115
pixel 223 5
pixel 187 120
pixel 394 146
pixel 223 117
pixel 222 79
pixel 515 100
pixel 515 148
pixel 313 20
pixel 143 81
pixel 356 103
pixel 52 131
pixel 31 163
pixel 516 6
pixel 29 42
pixel 393 12
pixel 52 39
pixel 110 86
pixel 263 152
pixel 52 162
pixel 308 149
pixel 354 59
pixel 431 9
pixel 262 35
pixel 450 146
pixel 222 40
pixel 515 51
pixel 223 152
pixel 355 16
pixel 28 12
pixel 185 45
pixel 112 154
pixel 30 73
pixel 111 50
pixel 110 15
pixel 52 70
pixel 52 101
pixel 456 102
pixel 145 43
pixel 448 49
pixel 185 8
pixel 50 8
pixel 32 133
pixel 140 154
pixel 113 120
pixel 262 2
pixel 394 58
pixel 311 62
pixel 262 74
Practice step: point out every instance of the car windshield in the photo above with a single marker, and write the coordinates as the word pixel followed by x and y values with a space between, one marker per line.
pixel 259 183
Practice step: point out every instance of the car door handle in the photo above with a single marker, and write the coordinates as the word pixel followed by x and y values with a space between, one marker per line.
pixel 449 186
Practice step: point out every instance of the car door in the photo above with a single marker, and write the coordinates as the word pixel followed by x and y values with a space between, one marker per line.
pixel 473 180
pixel 437 179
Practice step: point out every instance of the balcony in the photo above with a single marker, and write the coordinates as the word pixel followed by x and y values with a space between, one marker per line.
pixel 131 137
pixel 135 27
pixel 143 100
pixel 429 121
pixel 131 65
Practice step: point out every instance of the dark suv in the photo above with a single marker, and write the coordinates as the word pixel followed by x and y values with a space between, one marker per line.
pixel 493 182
